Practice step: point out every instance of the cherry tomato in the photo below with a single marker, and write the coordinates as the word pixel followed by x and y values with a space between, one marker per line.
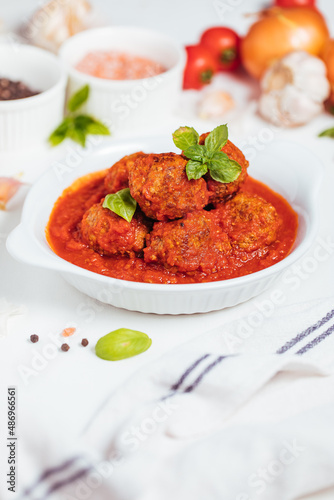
pixel 200 68
pixel 223 43
pixel 295 3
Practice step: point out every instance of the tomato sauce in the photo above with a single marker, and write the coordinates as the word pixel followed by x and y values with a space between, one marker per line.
pixel 113 65
pixel 64 237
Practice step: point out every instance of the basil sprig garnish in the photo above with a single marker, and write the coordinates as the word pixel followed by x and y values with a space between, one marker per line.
pixel 207 157
pixel 121 344
pixel 77 126
pixel 121 203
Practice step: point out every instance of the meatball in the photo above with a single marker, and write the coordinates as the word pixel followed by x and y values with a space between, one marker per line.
pixel 117 177
pixel 108 234
pixel 250 221
pixel 219 191
pixel 195 242
pixel 159 183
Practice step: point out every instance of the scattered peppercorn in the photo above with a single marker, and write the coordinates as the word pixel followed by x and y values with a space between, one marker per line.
pixel 10 90
pixel 34 338
pixel 84 342
pixel 65 347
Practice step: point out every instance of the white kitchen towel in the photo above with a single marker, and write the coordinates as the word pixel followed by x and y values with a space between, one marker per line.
pixel 242 412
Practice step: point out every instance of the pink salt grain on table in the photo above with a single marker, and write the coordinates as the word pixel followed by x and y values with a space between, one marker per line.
pixel 67 332
pixel 113 65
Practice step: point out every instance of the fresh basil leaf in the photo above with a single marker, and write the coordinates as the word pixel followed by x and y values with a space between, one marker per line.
pixel 121 344
pixel 82 121
pixel 209 154
pixel 97 128
pixel 78 135
pixel 184 137
pixel 60 133
pixel 224 170
pixel 78 99
pixel 121 203
pixel 219 156
pixel 195 153
pixel 327 133
pixel 56 138
pixel 195 169
pixel 217 138
pixel 90 126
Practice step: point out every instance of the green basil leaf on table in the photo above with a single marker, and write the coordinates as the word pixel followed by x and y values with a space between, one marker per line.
pixel 97 128
pixel 60 133
pixel 82 121
pixel 121 203
pixel 121 344
pixel 77 128
pixel 77 134
pixel 78 99
pixel 327 133
pixel 90 125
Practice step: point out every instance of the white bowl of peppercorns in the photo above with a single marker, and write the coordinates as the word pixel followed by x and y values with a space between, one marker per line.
pixel 32 94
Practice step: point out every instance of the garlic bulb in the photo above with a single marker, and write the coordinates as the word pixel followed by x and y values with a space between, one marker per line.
pixel 294 89
pixel 215 104
pixel 56 21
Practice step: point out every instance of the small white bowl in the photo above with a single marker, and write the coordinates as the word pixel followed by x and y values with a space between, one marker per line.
pixel 286 167
pixel 126 105
pixel 27 123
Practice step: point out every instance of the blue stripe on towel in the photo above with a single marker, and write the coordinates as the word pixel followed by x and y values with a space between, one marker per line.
pixel 65 482
pixel 176 386
pixel 50 472
pixel 305 333
pixel 193 386
pixel 316 341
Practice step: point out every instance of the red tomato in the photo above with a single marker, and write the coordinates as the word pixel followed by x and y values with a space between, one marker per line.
pixel 200 68
pixel 223 43
pixel 294 3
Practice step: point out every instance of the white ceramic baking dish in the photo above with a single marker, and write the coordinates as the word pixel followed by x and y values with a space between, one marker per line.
pixel 287 168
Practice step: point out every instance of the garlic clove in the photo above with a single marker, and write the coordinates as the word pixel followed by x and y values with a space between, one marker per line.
pixel 297 108
pixel 215 104
pixel 8 187
pixel 269 109
pixel 56 21
pixel 314 86
pixel 309 74
pixel 277 77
